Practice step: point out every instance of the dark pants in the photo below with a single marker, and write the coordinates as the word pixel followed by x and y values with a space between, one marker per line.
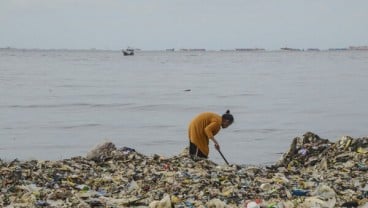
pixel 194 151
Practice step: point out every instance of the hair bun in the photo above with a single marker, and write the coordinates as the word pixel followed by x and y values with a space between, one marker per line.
pixel 228 116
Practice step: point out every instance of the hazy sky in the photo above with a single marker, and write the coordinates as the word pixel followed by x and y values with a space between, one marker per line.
pixel 161 24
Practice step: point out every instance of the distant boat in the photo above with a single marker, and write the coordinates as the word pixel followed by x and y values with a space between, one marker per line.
pixel 128 52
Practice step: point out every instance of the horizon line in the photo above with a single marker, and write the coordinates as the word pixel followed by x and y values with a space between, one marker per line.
pixel 362 47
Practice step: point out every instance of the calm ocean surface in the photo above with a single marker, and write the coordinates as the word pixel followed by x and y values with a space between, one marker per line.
pixel 59 104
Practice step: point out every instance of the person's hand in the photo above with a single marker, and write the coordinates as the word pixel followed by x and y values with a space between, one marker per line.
pixel 217 146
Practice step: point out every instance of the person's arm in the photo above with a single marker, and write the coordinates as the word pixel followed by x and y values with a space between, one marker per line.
pixel 213 127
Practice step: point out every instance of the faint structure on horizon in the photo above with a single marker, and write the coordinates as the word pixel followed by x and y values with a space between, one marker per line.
pixel 249 49
pixel 193 49
pixel 337 49
pixel 358 48
pixel 313 49
pixel 290 49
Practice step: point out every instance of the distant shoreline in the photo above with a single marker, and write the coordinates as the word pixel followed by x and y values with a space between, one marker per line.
pixel 239 50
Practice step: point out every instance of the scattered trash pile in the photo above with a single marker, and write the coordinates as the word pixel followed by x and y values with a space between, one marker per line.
pixel 313 173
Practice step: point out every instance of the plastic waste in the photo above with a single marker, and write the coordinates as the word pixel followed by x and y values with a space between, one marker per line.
pixel 110 178
pixel 82 187
pixel 41 203
pixel 189 204
pixel 127 150
pixel 303 151
pixel 351 204
pixel 299 192
pixel 252 204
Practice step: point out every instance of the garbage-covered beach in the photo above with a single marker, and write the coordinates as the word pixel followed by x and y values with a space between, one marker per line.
pixel 314 172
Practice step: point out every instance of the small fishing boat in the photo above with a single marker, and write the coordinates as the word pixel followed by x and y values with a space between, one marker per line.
pixel 128 52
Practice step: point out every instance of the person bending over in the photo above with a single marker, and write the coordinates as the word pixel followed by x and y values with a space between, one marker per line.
pixel 203 128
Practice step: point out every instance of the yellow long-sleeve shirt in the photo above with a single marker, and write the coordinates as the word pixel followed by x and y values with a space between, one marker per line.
pixel 202 128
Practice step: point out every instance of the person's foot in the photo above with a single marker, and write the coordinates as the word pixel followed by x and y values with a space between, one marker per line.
pixel 196 158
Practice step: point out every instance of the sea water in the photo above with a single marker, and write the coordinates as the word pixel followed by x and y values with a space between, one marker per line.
pixel 56 104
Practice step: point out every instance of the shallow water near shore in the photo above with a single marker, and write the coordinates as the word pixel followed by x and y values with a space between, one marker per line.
pixel 59 104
